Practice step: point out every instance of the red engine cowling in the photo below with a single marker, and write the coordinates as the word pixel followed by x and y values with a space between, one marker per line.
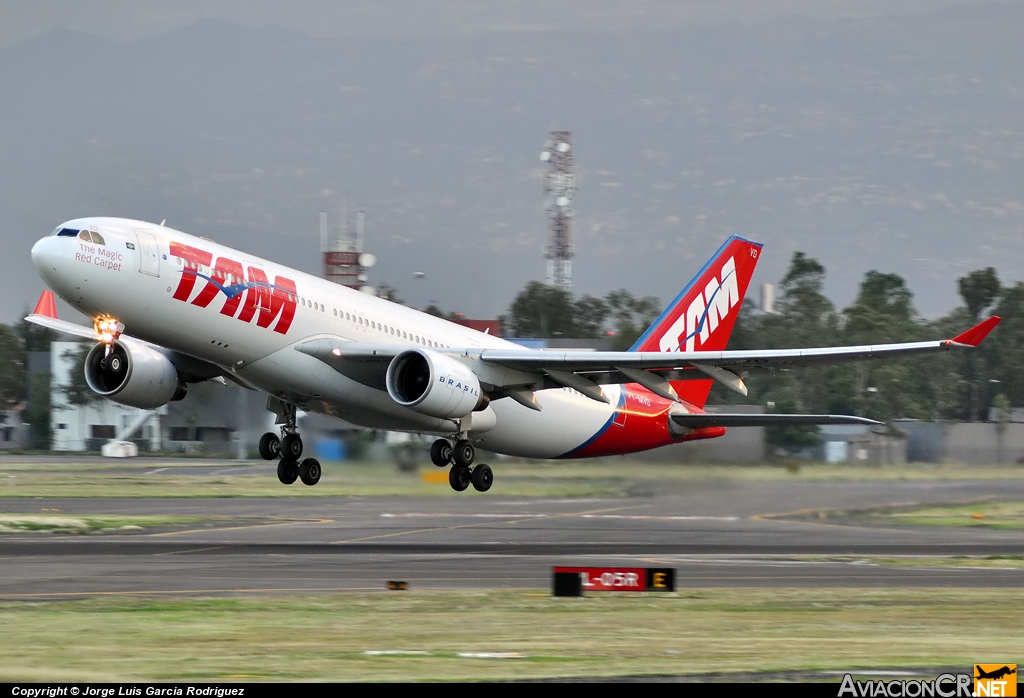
pixel 133 374
pixel 434 384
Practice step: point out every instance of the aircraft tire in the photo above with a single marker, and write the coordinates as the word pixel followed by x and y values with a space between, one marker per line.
pixel 459 478
pixel 483 477
pixel 291 447
pixel 270 446
pixel 441 453
pixel 463 453
pixel 309 471
pixel 287 472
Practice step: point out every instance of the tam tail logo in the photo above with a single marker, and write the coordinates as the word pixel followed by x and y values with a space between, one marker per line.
pixel 702 316
pixel 246 288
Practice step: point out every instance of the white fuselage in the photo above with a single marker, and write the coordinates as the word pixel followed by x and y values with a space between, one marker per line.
pixel 136 277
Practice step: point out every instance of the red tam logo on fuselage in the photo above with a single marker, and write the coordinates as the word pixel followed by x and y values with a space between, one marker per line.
pixel 246 289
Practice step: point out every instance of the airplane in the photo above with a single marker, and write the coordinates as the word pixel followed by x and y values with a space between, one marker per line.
pixel 170 309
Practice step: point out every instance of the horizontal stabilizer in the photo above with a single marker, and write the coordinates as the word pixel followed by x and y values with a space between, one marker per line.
pixel 698 420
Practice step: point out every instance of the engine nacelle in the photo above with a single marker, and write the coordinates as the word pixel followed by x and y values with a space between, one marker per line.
pixel 133 374
pixel 435 384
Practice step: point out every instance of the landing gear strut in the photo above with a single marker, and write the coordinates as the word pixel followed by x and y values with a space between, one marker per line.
pixel 288 448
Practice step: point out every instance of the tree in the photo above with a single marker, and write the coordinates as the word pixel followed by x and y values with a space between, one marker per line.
pixel 791 436
pixel 979 289
pixel 12 369
pixel 38 414
pixel 884 312
pixel 34 337
pixel 77 391
pixel 389 293
pixel 630 316
pixel 540 310
pixel 1002 353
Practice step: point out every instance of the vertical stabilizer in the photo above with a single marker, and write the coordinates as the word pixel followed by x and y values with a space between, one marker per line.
pixel 702 316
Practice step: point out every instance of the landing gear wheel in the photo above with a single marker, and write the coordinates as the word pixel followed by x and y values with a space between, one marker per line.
pixel 458 478
pixel 309 471
pixel 441 453
pixel 462 454
pixel 287 472
pixel 291 447
pixel 270 446
pixel 482 477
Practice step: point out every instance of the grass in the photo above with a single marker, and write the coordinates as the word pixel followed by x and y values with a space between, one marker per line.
pixel 1001 515
pixel 91 523
pixel 313 638
pixel 593 478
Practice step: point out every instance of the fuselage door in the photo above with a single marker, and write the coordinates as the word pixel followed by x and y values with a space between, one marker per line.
pixel 149 253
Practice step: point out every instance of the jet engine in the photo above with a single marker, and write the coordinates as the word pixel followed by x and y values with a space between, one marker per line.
pixel 133 374
pixel 434 384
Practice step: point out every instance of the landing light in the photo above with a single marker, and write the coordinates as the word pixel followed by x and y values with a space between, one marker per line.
pixel 336 351
pixel 108 329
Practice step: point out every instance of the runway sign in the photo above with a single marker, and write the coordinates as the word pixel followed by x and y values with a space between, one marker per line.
pixel 622 578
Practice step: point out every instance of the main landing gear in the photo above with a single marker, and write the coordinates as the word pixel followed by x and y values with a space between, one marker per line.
pixel 288 451
pixel 460 457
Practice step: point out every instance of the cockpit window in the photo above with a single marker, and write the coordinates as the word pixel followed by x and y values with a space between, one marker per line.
pixel 97 238
pixel 84 235
pixel 67 232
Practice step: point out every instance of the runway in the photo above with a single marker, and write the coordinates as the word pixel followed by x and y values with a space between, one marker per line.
pixel 758 534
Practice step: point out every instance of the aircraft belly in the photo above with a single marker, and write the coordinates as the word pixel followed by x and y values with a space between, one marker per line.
pixel 566 422
pixel 315 386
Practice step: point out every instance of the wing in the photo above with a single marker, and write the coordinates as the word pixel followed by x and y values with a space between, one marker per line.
pixel 511 371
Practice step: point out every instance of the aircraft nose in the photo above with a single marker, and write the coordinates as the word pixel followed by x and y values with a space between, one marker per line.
pixel 44 256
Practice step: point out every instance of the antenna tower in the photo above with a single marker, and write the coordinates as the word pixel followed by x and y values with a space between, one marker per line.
pixel 345 262
pixel 559 186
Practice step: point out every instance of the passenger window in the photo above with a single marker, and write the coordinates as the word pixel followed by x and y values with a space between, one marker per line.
pixel 98 239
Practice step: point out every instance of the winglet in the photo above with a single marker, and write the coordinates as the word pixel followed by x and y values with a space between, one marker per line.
pixel 973 336
pixel 47 305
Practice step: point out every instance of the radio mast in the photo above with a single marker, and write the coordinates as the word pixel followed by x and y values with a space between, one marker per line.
pixel 559 186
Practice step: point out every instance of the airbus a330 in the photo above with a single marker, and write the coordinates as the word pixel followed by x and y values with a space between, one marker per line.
pixel 170 309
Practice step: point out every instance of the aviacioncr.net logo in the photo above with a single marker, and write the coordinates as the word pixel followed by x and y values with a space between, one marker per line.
pixel 943 686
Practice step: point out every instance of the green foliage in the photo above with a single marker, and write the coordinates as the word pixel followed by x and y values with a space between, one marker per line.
pixel 544 311
pixel 77 392
pixel 12 369
pixel 630 316
pixel 979 289
pixel 791 436
pixel 936 386
pixel 34 337
pixel 38 414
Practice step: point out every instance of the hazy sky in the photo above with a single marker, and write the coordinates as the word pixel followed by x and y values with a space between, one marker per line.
pixel 871 135
pixel 126 20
